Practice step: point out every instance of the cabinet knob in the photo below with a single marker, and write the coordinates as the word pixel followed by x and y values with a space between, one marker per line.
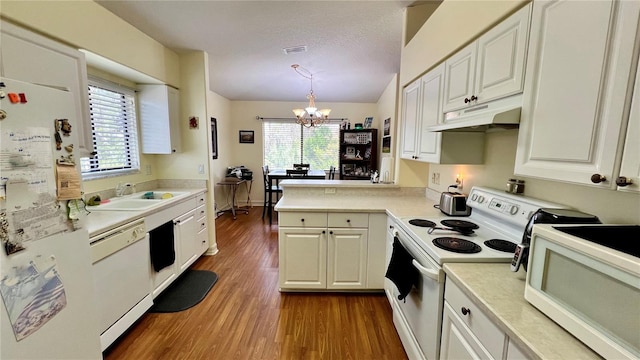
pixel 473 98
pixel 465 311
pixel 302 220
pixel 348 220
pixel 391 227
pixel 597 178
pixel 331 232
pixel 623 181
pixel 466 100
pixel 324 232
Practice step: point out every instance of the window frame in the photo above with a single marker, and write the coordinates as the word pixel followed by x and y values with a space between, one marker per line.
pixel 130 133
pixel 299 139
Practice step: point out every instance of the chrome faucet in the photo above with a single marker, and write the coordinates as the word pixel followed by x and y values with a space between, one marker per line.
pixel 121 188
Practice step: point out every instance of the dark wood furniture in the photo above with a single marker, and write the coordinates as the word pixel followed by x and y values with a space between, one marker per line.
pixel 281 174
pixel 358 153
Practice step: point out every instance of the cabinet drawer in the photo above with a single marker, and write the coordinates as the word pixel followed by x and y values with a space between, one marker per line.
pixel 348 220
pixel 201 212
pixel 491 337
pixel 200 199
pixel 302 219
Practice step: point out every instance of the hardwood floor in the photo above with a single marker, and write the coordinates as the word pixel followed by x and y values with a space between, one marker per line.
pixel 244 316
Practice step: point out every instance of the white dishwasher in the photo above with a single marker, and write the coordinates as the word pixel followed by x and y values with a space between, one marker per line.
pixel 120 260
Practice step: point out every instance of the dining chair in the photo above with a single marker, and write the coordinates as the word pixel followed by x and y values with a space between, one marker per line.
pixel 301 166
pixel 332 172
pixel 269 190
pixel 297 172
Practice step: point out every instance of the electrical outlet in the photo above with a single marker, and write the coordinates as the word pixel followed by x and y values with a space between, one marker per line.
pixel 435 178
pixel 329 190
pixel 147 169
pixel 200 169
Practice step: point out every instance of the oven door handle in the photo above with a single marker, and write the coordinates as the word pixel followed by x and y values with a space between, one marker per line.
pixel 431 274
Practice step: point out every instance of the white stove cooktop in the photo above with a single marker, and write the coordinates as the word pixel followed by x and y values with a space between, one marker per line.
pixel 499 215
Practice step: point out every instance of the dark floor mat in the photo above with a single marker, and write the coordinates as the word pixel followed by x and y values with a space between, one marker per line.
pixel 187 291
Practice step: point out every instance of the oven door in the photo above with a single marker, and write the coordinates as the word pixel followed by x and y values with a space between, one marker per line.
pixel 418 318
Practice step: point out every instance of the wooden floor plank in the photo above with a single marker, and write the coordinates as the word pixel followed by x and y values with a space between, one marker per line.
pixel 244 316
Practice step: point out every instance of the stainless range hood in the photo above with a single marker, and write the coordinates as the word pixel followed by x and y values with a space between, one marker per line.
pixel 501 114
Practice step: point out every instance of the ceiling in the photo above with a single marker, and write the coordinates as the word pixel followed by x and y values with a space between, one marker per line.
pixel 353 47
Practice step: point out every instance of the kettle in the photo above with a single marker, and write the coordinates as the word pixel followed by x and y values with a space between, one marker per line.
pixel 547 216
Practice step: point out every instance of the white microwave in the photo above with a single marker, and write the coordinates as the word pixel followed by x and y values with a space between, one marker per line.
pixel 586 278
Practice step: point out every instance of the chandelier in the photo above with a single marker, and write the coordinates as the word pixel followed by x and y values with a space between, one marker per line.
pixel 309 116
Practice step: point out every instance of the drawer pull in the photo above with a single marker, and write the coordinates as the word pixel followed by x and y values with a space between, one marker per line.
pixel 465 311
pixel 302 220
pixel 324 232
pixel 331 232
pixel 348 220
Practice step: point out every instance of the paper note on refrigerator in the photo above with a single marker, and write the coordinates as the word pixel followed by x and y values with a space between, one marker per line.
pixel 33 295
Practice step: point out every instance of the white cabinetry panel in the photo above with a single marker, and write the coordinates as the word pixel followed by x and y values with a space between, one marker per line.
pixel 159 119
pixel 630 168
pixel 578 76
pixel 33 58
pixel 410 118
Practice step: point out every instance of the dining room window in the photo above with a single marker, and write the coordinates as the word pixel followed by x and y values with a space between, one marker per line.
pixel 286 143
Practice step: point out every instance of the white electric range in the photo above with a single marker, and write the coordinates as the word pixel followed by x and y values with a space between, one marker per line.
pixel 497 216
pixel 497 219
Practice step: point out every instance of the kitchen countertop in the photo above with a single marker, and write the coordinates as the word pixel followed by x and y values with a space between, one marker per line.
pixel 499 292
pixel 100 221
pixel 354 196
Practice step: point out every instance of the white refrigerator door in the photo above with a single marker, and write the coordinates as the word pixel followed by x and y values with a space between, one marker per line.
pixel 73 332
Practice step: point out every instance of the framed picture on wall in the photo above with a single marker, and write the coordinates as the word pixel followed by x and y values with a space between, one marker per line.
pixel 214 138
pixel 246 136
pixel 386 127
pixel 386 144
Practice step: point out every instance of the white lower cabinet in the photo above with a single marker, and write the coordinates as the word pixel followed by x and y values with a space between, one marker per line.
pixel 328 251
pixel 467 332
pixel 190 238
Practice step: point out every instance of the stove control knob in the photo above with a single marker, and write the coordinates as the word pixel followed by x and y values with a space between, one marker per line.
pixel 513 210
pixel 481 199
pixel 474 197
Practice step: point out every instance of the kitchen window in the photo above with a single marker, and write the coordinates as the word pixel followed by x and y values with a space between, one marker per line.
pixel 286 143
pixel 114 131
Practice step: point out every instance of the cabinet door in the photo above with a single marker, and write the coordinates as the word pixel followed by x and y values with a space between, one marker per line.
pixel 630 167
pixel 410 111
pixel 33 58
pixel 185 230
pixel 302 258
pixel 457 341
pixel 159 116
pixel 578 72
pixel 459 76
pixel 347 258
pixel 430 114
pixel 501 58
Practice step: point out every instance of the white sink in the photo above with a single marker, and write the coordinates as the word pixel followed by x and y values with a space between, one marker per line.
pixel 137 201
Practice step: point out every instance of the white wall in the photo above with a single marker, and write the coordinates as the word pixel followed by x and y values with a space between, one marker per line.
pixel 87 25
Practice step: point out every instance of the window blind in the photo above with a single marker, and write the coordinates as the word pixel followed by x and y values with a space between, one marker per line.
pixel 286 143
pixel 114 130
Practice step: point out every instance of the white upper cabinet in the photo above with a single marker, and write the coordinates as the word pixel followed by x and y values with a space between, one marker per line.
pixel 410 109
pixel 579 77
pixel 630 168
pixel 423 108
pixel 29 57
pixel 491 67
pixel 159 119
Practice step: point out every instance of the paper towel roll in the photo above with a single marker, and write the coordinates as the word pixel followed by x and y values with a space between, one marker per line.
pixel 386 170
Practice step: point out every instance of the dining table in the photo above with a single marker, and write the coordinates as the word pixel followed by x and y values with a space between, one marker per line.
pixel 276 175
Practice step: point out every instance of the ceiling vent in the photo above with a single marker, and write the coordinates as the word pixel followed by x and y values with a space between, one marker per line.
pixel 295 49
